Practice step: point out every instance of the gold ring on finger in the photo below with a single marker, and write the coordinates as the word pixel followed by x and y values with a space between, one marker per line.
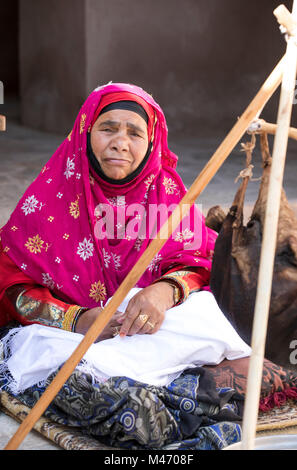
pixel 116 330
pixel 152 325
pixel 143 318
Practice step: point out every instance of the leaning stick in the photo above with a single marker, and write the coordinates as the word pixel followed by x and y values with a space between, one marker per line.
pixel 269 239
pixel 2 123
pixel 210 169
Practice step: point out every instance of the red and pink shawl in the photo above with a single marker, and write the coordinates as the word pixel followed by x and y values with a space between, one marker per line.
pixel 52 235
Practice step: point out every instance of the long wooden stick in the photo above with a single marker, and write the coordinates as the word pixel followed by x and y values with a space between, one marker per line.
pixel 268 246
pixel 218 158
pixel 2 123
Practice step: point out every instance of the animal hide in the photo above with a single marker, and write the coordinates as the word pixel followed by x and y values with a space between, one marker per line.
pixel 236 262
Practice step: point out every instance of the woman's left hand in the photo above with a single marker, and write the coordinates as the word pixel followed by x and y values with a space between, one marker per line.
pixel 145 312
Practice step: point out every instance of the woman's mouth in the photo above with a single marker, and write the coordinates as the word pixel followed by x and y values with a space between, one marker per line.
pixel 116 161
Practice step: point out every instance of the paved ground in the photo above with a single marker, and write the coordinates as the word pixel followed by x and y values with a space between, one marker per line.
pixel 34 440
pixel 24 151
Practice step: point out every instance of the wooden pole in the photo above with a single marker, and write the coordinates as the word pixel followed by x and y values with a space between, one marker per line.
pixel 286 19
pixel 268 245
pixel 2 123
pixel 260 126
pixel 218 158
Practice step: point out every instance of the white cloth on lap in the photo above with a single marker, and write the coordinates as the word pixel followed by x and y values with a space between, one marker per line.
pixel 194 333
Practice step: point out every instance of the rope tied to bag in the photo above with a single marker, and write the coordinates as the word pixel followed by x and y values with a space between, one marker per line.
pixel 245 173
pixel 248 148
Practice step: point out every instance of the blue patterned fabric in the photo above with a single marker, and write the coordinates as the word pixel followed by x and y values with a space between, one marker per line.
pixel 189 414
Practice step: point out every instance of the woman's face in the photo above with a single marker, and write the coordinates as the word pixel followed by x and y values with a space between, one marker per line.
pixel 119 141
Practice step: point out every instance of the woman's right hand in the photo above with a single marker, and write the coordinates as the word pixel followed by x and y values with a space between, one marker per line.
pixel 86 319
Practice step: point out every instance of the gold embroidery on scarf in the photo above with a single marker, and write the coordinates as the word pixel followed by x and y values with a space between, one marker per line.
pixel 51 218
pixel 14 228
pixel 34 244
pixel 69 135
pixel 47 246
pixel 6 249
pixel 66 236
pixel 184 236
pixel 74 209
pixel 170 186
pixel 45 168
pixel 82 123
pixel 149 180
pixel 98 291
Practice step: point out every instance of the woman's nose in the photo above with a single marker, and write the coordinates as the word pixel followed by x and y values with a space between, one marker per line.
pixel 120 142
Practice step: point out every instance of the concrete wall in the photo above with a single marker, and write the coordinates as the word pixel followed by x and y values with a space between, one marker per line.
pixel 9 53
pixel 203 60
pixel 52 62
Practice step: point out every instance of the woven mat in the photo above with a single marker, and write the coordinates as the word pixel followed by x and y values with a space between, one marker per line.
pixel 279 420
pixel 64 436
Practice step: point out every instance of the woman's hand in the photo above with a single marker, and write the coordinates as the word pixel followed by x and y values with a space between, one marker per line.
pixel 87 318
pixel 145 312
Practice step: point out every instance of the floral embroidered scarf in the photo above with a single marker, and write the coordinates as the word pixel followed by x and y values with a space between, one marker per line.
pixel 80 235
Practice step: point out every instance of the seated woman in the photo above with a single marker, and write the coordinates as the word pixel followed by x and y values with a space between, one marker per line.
pixel 55 269
pixel 79 229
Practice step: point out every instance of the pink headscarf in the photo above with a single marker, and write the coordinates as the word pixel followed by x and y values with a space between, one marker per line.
pixel 122 96
pixel 52 235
